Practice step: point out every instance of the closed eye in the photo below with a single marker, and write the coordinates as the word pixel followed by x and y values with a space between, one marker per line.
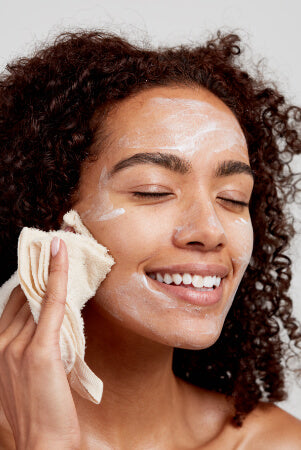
pixel 150 194
pixel 236 202
pixel 234 205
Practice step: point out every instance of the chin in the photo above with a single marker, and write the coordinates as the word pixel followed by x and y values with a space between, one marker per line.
pixel 191 341
pixel 205 343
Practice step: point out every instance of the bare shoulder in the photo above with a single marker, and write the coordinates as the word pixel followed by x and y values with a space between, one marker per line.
pixel 267 427
pixel 270 427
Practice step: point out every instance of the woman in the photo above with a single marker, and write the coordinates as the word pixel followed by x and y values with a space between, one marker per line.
pixel 177 162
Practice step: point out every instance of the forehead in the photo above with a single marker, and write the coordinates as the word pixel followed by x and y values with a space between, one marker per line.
pixel 180 119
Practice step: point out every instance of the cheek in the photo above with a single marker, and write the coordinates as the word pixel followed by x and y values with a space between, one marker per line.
pixel 132 237
pixel 97 206
pixel 241 242
pixel 155 315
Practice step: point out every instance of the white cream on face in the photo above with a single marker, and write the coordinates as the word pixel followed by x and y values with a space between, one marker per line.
pixel 241 246
pixel 241 220
pixel 208 129
pixel 244 246
pixel 101 207
pixel 199 130
pixel 187 322
pixel 212 220
pixel 189 326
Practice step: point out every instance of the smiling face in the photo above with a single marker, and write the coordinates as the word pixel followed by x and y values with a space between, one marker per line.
pixel 195 220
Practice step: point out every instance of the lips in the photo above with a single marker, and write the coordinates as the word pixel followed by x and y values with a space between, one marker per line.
pixel 192 268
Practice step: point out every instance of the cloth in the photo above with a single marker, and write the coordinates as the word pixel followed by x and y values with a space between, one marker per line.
pixel 89 264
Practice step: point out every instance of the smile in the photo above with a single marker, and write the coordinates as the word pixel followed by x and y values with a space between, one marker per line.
pixel 187 280
pixel 202 296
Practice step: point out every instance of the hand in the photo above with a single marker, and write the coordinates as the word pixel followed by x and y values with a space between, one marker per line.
pixel 34 390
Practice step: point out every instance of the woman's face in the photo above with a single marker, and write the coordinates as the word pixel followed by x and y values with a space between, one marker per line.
pixel 196 222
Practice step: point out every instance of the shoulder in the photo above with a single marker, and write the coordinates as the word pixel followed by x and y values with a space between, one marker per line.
pixel 270 427
pixel 267 427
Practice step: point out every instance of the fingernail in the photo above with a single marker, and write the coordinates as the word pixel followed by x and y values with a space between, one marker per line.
pixel 55 245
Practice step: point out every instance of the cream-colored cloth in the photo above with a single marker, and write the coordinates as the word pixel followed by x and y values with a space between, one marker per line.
pixel 89 264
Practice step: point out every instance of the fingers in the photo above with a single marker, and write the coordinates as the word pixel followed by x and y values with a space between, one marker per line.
pixel 17 323
pixel 17 319
pixel 20 334
pixel 26 334
pixel 16 301
pixel 54 301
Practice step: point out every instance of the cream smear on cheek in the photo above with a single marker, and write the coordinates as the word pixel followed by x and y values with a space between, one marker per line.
pixel 101 207
pixel 241 247
pixel 187 126
pixel 244 246
pixel 185 325
pixel 212 129
pixel 180 323
pixel 245 243
pixel 150 307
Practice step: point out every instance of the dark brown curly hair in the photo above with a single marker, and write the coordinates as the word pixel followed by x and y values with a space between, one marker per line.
pixel 53 107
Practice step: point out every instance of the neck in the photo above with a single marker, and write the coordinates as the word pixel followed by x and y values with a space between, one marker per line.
pixel 140 390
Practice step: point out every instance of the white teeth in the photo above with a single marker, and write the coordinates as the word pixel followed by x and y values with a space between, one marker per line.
pixel 176 278
pixel 197 281
pixel 167 278
pixel 159 277
pixel 187 278
pixel 208 281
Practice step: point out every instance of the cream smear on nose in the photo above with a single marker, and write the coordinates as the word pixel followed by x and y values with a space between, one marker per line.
pixel 187 127
pixel 193 221
pixel 210 216
pixel 102 208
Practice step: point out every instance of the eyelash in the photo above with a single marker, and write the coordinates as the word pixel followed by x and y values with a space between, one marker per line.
pixel 161 194
pixel 149 194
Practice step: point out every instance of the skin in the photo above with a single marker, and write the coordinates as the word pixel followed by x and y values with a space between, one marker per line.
pixel 144 404
pixel 191 212
pixel 128 315
pixel 131 327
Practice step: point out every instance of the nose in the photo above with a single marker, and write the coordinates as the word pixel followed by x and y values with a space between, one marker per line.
pixel 202 230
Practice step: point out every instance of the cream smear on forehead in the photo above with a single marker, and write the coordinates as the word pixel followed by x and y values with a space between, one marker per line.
pixel 187 126
pixel 101 207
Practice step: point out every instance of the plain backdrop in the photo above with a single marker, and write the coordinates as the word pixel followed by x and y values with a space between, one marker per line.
pixel 270 30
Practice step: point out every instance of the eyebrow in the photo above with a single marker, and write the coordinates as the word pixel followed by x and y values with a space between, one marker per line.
pixel 179 165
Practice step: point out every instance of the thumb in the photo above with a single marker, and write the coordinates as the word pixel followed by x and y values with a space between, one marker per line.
pixel 54 301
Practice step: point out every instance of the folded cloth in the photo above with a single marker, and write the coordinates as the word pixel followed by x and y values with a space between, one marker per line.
pixel 89 264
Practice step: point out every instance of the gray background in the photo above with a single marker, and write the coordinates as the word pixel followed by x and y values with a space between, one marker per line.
pixel 270 30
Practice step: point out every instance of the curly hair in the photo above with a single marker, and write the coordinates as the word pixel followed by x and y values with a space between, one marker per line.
pixel 53 107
